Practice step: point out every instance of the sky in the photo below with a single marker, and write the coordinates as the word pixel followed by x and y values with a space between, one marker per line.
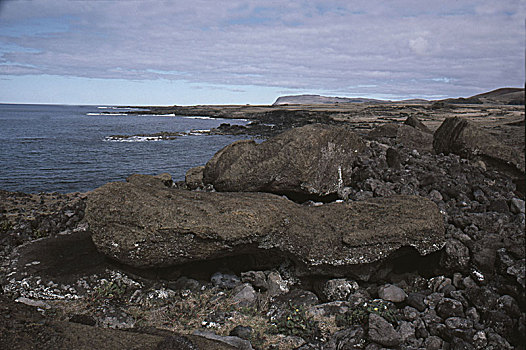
pixel 133 52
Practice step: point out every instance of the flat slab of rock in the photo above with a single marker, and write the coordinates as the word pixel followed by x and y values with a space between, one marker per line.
pixel 144 223
pixel 314 160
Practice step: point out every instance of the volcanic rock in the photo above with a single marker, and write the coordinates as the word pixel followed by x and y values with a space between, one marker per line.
pixel 194 177
pixel 417 124
pixel 457 135
pixel 308 162
pixel 143 223
pixel 408 136
pixel 392 293
pixel 382 332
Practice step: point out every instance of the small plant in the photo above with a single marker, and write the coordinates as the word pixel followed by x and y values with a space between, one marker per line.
pixel 110 290
pixel 360 314
pixel 296 322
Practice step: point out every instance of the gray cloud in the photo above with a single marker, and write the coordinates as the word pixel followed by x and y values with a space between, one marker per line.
pixel 398 49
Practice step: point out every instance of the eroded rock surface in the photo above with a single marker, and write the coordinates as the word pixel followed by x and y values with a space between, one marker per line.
pixel 143 223
pixel 315 160
pixel 459 136
pixel 409 136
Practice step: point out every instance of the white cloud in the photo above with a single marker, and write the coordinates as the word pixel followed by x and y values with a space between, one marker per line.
pixel 420 46
pixel 393 48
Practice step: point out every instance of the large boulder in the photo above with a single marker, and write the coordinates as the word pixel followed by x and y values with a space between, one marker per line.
pixel 409 136
pixel 144 223
pixel 417 124
pixel 308 162
pixel 459 136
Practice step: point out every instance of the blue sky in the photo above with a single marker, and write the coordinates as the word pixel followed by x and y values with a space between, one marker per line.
pixel 237 52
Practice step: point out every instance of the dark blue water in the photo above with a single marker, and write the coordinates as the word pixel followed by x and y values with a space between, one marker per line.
pixel 48 148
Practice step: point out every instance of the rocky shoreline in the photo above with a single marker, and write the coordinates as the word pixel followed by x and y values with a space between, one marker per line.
pixel 398 235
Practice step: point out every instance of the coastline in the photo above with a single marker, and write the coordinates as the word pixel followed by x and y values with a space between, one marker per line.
pixel 457 300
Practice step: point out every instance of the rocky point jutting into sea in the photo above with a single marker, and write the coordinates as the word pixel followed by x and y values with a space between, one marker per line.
pixel 352 226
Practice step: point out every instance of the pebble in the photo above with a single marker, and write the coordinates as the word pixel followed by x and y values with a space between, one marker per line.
pixel 226 281
pixel 392 293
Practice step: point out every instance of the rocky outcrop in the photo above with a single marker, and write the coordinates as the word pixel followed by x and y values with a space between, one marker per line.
pixel 457 135
pixel 194 177
pixel 409 136
pixel 417 124
pixel 309 162
pixel 143 223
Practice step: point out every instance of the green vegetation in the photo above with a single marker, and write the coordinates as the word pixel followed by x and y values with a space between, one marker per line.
pixel 110 290
pixel 295 322
pixel 360 314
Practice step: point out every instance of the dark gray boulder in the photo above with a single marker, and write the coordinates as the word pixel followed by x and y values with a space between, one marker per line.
pixel 194 177
pixel 417 124
pixel 143 223
pixel 308 162
pixel 459 136
pixel 405 135
pixel 382 332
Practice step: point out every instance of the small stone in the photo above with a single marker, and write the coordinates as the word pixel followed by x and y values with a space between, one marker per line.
pixel 480 196
pixel 410 313
pixel 339 289
pixel 194 177
pixel 329 309
pixel 256 278
pixel 450 307
pixel 243 332
pixel 458 343
pixel 244 295
pixel 185 284
pixel 349 338
pixel 416 300
pixel 392 293
pixel 435 196
pixel 456 255
pixel 382 332
pixel 437 284
pixel 517 206
pixel 433 343
pixel 31 302
pixel 433 299
pixel 227 281
pixel 457 279
pixel 480 340
pixel 480 164
pixel 393 158
pixel 406 330
pixel 458 323
pixel 473 314
pixel 276 284
pixel 468 282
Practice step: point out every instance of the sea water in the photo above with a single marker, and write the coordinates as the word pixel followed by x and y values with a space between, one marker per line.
pixel 56 148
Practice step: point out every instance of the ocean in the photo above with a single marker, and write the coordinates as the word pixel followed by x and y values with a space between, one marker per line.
pixel 57 148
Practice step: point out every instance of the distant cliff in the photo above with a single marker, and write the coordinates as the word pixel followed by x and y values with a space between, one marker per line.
pixel 504 96
pixel 317 99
